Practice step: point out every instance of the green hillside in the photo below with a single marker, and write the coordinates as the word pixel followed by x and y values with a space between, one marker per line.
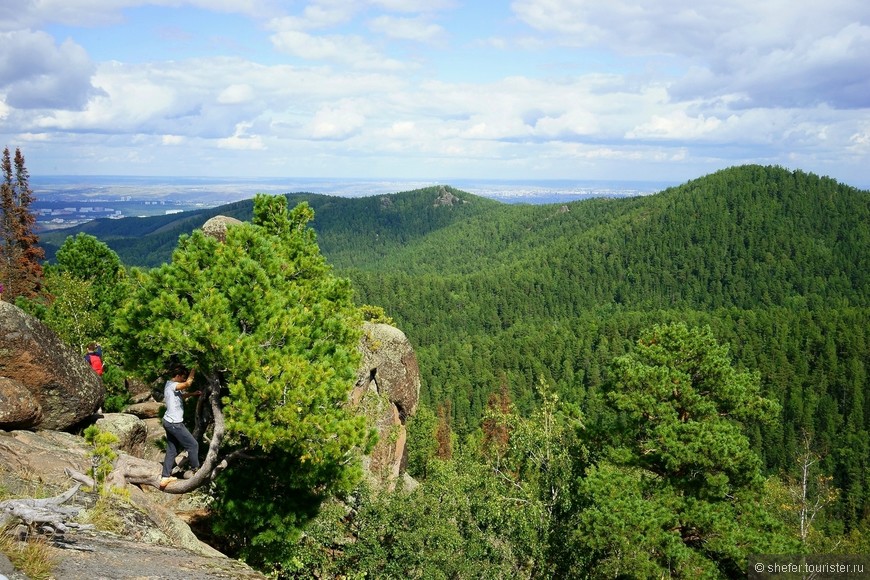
pixel 776 262
pixel 352 232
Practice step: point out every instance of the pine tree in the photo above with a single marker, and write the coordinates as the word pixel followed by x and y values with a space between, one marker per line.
pixel 273 335
pixel 678 494
pixel 21 254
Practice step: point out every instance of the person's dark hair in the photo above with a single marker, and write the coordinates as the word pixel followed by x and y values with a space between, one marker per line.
pixel 178 370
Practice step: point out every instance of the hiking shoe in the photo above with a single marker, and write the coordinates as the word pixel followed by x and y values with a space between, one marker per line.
pixel 164 481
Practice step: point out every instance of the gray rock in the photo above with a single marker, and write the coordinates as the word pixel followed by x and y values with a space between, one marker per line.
pixel 387 391
pixel 145 410
pixel 129 429
pixel 56 376
pixel 217 226
pixel 154 439
pixel 44 454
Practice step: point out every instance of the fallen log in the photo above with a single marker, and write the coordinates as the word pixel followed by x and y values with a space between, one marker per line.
pixel 46 515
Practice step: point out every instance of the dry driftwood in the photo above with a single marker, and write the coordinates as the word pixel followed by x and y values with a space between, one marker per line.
pixel 46 515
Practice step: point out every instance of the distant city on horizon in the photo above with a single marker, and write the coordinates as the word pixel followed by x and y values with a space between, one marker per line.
pixel 222 187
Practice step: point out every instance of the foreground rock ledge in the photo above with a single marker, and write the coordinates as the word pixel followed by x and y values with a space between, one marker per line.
pixel 155 542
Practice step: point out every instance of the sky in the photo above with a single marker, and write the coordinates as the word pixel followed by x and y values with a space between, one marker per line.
pixel 436 89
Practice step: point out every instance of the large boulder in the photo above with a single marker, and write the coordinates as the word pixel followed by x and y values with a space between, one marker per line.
pixel 129 429
pixel 387 391
pixel 217 226
pixel 18 408
pixel 155 439
pixel 56 377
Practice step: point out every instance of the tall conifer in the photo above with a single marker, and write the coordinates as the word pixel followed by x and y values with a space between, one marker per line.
pixel 22 270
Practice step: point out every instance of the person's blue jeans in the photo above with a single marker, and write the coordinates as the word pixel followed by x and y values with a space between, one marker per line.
pixel 178 437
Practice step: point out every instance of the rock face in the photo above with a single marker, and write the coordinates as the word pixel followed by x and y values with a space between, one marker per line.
pixel 446 198
pixel 387 390
pixel 217 226
pixel 55 377
pixel 129 429
pixel 18 408
pixel 153 539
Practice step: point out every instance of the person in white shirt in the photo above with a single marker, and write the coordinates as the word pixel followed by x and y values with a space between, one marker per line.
pixel 177 435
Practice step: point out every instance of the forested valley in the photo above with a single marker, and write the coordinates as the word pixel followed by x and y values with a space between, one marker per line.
pixel 654 386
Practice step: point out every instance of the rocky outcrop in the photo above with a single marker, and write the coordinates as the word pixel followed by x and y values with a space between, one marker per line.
pixel 130 431
pixel 387 391
pixel 446 198
pixel 152 536
pixel 217 226
pixel 56 378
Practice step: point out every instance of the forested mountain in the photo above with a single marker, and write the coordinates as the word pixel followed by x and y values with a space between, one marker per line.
pixel 351 230
pixel 776 262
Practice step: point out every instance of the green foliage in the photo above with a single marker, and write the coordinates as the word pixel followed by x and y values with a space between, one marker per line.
pixel 104 515
pixel 262 505
pixel 264 320
pixel 103 454
pixel 682 408
pixel 679 489
pixel 375 314
pixel 72 312
pixel 117 395
pixel 87 259
pixel 421 444
pixel 432 532
pixel 82 294
pixel 33 557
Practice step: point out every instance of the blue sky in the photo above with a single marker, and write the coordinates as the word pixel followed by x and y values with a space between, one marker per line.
pixel 436 89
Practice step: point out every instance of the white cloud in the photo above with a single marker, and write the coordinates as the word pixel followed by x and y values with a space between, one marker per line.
pixel 346 49
pixel 677 125
pixel 777 52
pixel 241 141
pixel 413 5
pixel 35 73
pixel 573 85
pixel 317 15
pixel 402 130
pixel 128 102
pixel 92 13
pixel 416 29
pixel 236 94
pixel 337 122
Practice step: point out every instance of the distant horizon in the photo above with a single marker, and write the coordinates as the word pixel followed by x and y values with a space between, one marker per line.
pixel 231 189
pixel 646 185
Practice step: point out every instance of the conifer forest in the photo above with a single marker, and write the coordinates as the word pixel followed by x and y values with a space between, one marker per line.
pixel 654 386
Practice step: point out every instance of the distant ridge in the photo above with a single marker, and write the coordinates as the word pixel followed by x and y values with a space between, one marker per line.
pixel 726 224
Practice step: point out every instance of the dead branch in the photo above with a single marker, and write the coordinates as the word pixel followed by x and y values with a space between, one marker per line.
pixel 46 515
